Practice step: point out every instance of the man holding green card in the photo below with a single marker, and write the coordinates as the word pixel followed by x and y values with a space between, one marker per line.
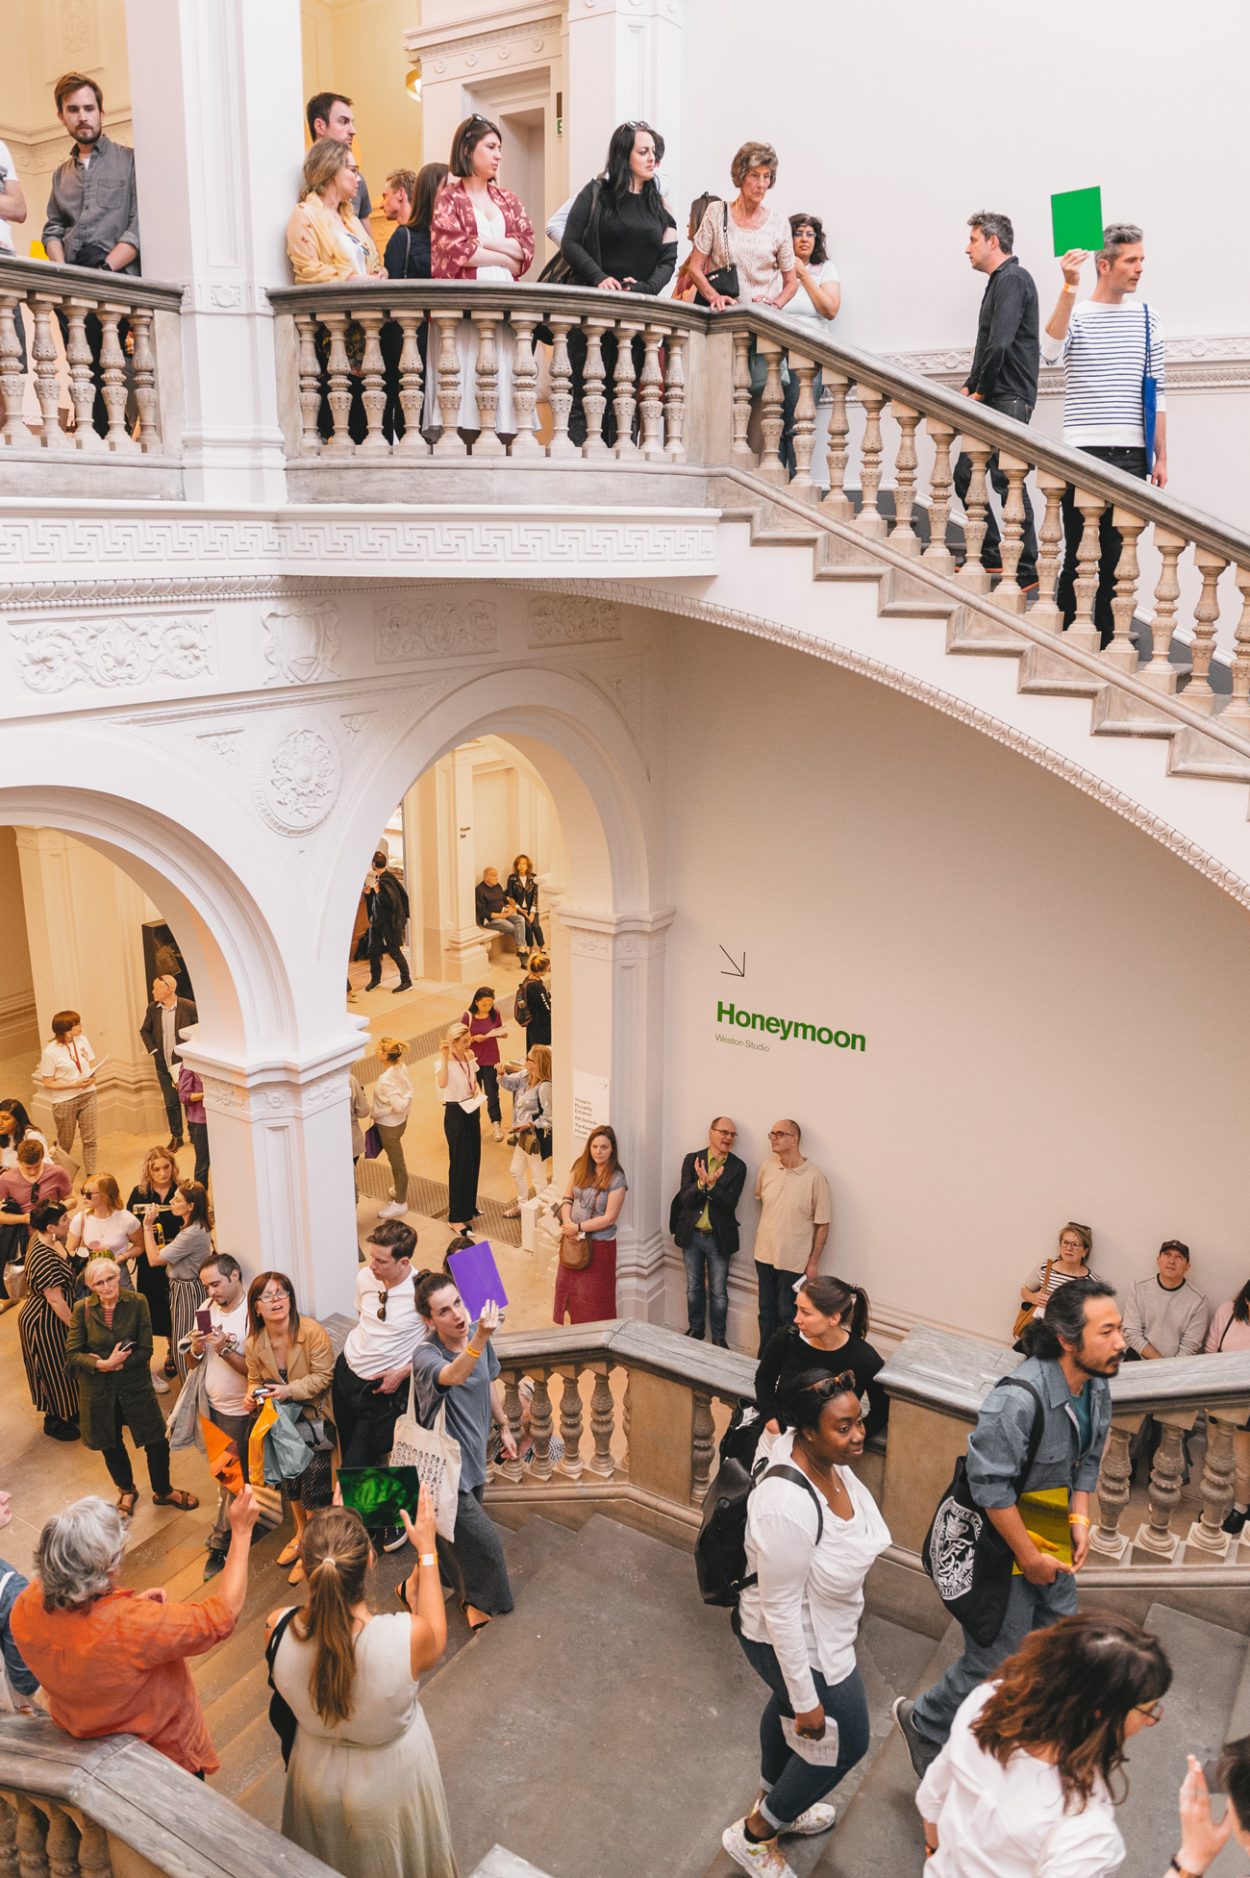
pixel 1111 346
pixel 1003 374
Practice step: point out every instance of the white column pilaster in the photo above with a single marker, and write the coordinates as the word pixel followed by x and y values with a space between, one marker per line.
pixel 624 60
pixel 216 89
pixel 466 949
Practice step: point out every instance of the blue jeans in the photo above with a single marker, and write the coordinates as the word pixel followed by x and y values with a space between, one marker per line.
pixel 700 1252
pixel 792 1784
pixel 777 1301
pixel 509 923
pixel 1029 1607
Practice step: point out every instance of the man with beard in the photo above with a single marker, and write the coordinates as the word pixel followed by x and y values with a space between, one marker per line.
pixel 1073 1349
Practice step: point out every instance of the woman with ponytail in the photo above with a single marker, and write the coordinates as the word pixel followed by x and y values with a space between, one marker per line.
pixel 829 1330
pixel 363 1793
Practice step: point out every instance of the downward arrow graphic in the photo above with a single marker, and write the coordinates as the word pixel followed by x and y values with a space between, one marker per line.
pixel 739 971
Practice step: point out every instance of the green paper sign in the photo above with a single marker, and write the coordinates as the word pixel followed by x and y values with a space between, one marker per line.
pixel 1076 217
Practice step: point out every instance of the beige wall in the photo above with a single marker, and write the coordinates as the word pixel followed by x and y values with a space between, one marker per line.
pixel 357 47
pixel 1050 1001
pixel 19 1029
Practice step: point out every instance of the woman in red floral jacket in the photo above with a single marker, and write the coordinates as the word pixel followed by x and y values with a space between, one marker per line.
pixel 479 232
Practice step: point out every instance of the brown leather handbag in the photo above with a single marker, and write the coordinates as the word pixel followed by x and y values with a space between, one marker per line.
pixel 1026 1310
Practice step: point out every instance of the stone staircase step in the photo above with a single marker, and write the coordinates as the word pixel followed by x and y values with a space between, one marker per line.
pixel 262 1801
pixel 970 630
pixel 1050 674
pixel 248 1756
pixel 1194 754
pixel 1122 714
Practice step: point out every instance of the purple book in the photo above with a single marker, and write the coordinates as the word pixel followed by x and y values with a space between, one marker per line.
pixel 477 1278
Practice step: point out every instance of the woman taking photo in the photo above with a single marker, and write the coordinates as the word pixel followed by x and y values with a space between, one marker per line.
pixel 586 1276
pixel 529 1085
pixel 363 1789
pixel 1071 1260
pixel 486 1027
pixel 830 1325
pixel 182 1257
pixel 392 1101
pixel 292 1359
pixel 811 1542
pixel 1023 1786
pixel 109 1347
pixel 522 890
pixel 152 1197
pixel 455 1078
pixel 45 1320
pixel 533 1001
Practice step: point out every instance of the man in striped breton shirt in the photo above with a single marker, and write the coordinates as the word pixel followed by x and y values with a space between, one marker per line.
pixel 1102 344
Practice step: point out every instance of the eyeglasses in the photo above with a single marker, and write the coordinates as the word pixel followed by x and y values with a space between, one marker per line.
pixel 271 1297
pixel 781 1134
pixel 1072 1245
pixel 1150 1712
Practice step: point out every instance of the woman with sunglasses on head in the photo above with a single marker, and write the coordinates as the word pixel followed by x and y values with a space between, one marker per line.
pixel 1024 1786
pixel 290 1359
pixel 1070 1260
pixel 813 1533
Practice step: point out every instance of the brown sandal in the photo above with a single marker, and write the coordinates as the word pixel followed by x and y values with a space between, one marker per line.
pixel 126 1503
pixel 177 1496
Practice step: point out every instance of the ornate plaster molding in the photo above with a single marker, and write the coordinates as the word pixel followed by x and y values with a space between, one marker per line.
pixel 275 1102
pixel 410 627
pixel 302 641
pixel 1199 361
pixel 56 655
pixel 560 620
pixel 444 54
pixel 296 780
pixel 616 936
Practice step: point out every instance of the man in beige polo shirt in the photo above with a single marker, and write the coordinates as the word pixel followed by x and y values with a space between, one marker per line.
pixel 794 1224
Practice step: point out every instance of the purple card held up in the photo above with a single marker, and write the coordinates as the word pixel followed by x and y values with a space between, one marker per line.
pixel 477 1277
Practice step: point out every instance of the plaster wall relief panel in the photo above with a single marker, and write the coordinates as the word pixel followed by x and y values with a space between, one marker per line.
pixel 572 619
pixel 296 773
pixel 301 641
pixel 412 627
pixel 106 654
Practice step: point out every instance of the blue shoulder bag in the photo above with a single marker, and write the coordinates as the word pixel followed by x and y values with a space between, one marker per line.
pixel 1149 401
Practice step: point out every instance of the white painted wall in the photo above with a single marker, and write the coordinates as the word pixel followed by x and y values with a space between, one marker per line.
pixel 1049 999
pixel 19 1028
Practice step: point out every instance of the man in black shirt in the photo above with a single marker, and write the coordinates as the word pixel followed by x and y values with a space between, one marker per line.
pixel 388 916
pixel 1004 370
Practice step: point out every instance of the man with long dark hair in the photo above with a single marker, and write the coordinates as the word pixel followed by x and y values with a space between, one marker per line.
pixel 1073 1349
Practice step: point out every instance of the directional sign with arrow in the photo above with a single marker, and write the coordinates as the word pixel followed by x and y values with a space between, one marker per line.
pixel 736 971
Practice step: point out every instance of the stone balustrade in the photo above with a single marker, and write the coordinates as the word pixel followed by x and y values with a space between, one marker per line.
pixel 97 345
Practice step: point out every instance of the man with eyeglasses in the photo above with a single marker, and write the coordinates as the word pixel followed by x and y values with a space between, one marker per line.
pixel 795 1212
pixel 376 1360
pixel 703 1220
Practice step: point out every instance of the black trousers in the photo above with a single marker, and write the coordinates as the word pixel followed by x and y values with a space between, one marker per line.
pixel 488 1082
pixel 170 1097
pixel 1110 541
pixel 117 1459
pixel 777 1301
pixel 380 947
pixel 198 1135
pixel 364 1416
pixel 464 1161
pixel 577 359
pixel 93 332
pixel 992 546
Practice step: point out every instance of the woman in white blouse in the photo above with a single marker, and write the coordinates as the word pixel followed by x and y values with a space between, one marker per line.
pixel 455 1077
pixel 815 306
pixel 1022 1788
pixel 67 1069
pixel 392 1099
pixel 105 1228
pixel 813 1532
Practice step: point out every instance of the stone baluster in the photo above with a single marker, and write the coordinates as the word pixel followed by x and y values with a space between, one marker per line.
pixel 976 509
pixel 602 1424
pixel 450 442
pixel 81 385
pixel 1044 611
pixel 571 1423
pixel 373 385
pixel 626 1408
pixel 937 555
pixel 594 399
pixel 1236 713
pixel 143 373
pixel 903 535
pixel 772 414
pixel 1156 1535
pixel 11 371
pixel 801 483
pixel 625 399
pixel 488 442
pixel 309 383
pixel 339 386
pixel 837 450
pixel 870 521
pixel 1122 653
pixel 1113 1490
pixel 411 389
pixel 1217 1484
pixel 740 450
pixel 512 1470
pixel 542 1466
pixel 62 1842
pixel 113 364
pixel 675 398
pixel 47 382
pixel 702 1447
pixel 1161 673
pixel 650 387
pixel 1009 594
pixel 1082 633
pixel 525 386
pixel 1198 692
pixel 32 1861
pixel 561 394
pixel 93 1851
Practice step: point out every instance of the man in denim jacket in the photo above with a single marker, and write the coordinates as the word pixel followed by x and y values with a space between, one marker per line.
pixel 1074 1348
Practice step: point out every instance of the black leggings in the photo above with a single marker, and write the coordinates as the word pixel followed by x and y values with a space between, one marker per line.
pixel 121 1473
pixel 488 1082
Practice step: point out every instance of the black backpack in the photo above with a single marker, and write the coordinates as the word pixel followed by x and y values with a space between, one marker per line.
pixel 720 1551
pixel 520 1007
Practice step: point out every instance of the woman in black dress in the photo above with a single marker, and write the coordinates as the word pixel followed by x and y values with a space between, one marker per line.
pixel 533 1006
pixel 45 1321
pixel 828 1332
pixel 155 1189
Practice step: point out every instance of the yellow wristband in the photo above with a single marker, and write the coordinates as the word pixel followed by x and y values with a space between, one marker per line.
pixel 1077 1519
pixel 470 1350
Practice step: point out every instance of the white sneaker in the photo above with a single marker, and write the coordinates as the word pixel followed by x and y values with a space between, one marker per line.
pixel 394 1209
pixel 762 1857
pixel 158 1383
pixel 498 1131
pixel 817 1819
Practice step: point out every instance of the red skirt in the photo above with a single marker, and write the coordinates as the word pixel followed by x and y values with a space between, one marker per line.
pixel 590 1294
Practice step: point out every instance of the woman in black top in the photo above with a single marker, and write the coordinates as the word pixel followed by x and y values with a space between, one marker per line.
pixel 522 890
pixel 155 1190
pixel 408 258
pixel 830 1321
pixel 620 237
pixel 537 999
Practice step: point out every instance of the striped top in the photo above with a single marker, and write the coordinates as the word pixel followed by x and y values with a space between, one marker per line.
pixel 1038 1280
pixel 1104 360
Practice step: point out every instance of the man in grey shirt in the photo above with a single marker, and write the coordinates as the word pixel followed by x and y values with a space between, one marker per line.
pixel 1075 1347
pixel 1166 1315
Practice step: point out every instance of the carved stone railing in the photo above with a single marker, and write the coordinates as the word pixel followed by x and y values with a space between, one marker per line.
pixel 97 344
pixel 937 1382
pixel 114 1808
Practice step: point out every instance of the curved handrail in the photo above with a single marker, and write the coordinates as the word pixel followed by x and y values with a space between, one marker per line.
pixel 88 283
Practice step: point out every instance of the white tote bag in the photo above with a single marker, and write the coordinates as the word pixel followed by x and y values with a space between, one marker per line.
pixel 436 1456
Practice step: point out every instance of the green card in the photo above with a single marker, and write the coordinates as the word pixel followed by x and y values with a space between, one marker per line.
pixel 1076 217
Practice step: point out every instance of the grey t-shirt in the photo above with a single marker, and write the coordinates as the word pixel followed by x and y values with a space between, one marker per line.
pixel 190 1249
pixel 468 1404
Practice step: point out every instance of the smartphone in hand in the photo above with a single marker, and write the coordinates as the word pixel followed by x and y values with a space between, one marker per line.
pixel 204 1322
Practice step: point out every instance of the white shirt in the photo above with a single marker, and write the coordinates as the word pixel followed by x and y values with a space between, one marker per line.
pixel 8 1156
pixel 10 176
pixel 64 1063
pixel 104 1238
pixel 1008 1822
pixel 225 1387
pixel 803 307
pixel 809 1598
pixel 375 1346
pixel 461 1083
pixel 392 1097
